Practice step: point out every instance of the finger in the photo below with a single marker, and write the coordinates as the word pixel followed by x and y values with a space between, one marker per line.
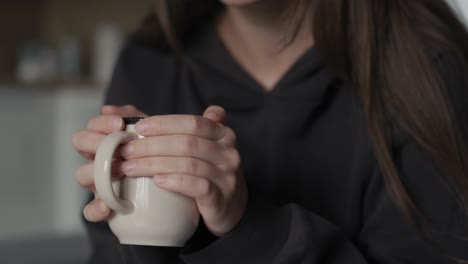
pixel 201 189
pixel 180 125
pixel 91 156
pixel 84 175
pixel 216 114
pixel 152 166
pixel 174 146
pixel 87 156
pixel 106 124
pixel 96 211
pixel 230 138
pixel 122 111
pixel 87 141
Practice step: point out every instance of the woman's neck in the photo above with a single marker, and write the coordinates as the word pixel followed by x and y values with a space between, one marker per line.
pixel 255 37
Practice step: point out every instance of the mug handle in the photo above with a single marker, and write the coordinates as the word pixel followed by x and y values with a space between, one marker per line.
pixel 102 171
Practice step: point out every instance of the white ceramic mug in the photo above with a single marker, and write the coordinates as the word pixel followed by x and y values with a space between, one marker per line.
pixel 144 214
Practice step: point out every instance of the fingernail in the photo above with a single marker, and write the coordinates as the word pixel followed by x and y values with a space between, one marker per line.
pixel 102 207
pixel 141 126
pixel 129 166
pixel 216 113
pixel 105 108
pixel 212 115
pixel 127 150
pixel 160 180
pixel 116 123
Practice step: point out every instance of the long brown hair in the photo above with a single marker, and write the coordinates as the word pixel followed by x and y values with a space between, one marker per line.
pixel 388 50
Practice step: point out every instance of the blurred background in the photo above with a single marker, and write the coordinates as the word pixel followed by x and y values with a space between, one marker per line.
pixel 56 57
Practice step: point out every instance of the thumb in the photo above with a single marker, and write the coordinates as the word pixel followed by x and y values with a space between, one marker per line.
pixel 216 114
pixel 123 111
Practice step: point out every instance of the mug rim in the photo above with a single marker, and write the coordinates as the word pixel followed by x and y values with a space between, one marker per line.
pixel 132 120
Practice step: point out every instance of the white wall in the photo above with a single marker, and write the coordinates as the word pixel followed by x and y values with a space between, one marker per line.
pixel 461 6
pixel 38 194
pixel 26 171
pixel 72 110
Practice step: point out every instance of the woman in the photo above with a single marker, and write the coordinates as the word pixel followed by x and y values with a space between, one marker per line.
pixel 350 119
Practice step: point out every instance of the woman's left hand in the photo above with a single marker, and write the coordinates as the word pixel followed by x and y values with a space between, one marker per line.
pixel 194 156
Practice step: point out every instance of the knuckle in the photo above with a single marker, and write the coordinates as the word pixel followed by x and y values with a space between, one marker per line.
pixel 158 124
pixel 192 167
pixel 234 159
pixel 108 125
pixel 101 123
pixel 221 131
pixel 190 145
pixel 231 136
pixel 148 166
pixel 178 180
pixel 145 145
pixel 76 140
pixel 206 189
pixel 231 183
pixel 196 123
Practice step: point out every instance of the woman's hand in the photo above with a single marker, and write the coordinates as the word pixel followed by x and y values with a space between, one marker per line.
pixel 86 143
pixel 194 156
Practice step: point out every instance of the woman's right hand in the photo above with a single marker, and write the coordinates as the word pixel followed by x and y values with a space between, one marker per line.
pixel 86 143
